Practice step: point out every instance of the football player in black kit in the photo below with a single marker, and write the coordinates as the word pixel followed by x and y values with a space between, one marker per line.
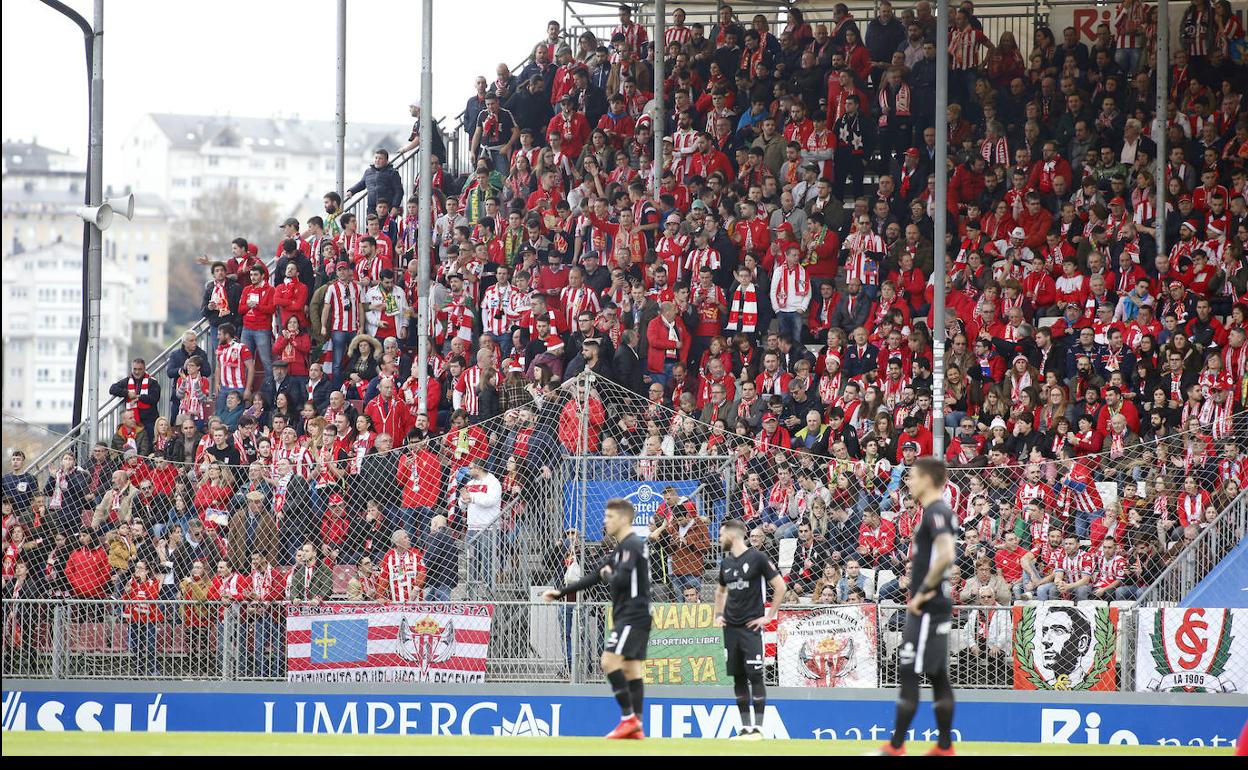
pixel 925 640
pixel 627 573
pixel 740 600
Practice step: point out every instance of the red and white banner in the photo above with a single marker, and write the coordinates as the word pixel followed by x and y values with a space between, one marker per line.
pixel 832 647
pixel 388 643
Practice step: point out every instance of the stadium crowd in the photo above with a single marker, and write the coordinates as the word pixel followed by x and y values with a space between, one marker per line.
pixel 769 304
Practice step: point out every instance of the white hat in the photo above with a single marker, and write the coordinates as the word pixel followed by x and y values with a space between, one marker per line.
pixel 1018 232
pixel 997 422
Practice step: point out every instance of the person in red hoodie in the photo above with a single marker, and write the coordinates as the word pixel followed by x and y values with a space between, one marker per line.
pixel 668 341
pixel 967 183
pixel 257 306
pixel 142 614
pixel 290 297
pixel 1038 286
pixel 292 347
pixel 86 569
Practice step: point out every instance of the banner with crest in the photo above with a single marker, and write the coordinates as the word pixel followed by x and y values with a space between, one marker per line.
pixel 1189 649
pixel 832 647
pixel 388 643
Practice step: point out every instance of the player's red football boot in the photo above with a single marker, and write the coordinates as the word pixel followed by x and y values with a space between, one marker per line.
pixel 888 750
pixel 628 728
pixel 937 751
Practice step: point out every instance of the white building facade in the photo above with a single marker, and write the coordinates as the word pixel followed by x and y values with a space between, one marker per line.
pixel 286 161
pixel 42 290
pixel 43 188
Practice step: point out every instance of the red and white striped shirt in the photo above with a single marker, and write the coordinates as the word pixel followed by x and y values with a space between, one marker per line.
pixel 1108 570
pixel 1075 567
pixel 966 47
pixel 465 394
pixel 302 461
pixel 634 35
pixel 699 257
pixel 232 365
pixel 495 309
pixel 864 250
pixel 577 301
pixel 680 35
pixel 400 575
pixel 343 301
pixel 1128 25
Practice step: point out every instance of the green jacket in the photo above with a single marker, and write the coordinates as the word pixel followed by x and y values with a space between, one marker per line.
pixel 321 586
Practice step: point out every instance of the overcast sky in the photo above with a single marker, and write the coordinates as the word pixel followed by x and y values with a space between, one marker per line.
pixel 249 57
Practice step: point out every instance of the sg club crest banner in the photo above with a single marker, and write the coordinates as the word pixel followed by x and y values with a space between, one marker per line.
pixel 1189 649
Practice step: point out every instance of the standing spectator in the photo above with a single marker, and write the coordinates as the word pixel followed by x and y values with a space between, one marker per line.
pixel 19 486
pixel 86 569
pixel 310 581
pixel 196 615
pixel 381 180
pixel 142 615
pixel 691 540
pixel 257 308
pixel 403 573
pixel 220 303
pixel 234 369
pixel 342 317
pixel 67 493
pixel 481 498
pixel 141 392
pixel 441 561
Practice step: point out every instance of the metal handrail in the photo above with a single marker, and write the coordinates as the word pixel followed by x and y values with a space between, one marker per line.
pixel 108 417
pixel 1182 560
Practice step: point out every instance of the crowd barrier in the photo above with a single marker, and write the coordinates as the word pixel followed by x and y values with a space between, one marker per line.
pixel 1050 646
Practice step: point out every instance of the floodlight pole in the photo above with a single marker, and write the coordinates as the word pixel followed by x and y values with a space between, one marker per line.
pixel 340 104
pixel 1162 82
pixel 940 218
pixel 660 32
pixel 424 240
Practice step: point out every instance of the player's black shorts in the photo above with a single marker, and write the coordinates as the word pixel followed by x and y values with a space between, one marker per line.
pixel 629 638
pixel 743 649
pixel 925 643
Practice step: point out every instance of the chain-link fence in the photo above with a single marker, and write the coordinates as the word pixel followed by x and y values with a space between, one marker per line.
pixel 1053 645
pixel 488 510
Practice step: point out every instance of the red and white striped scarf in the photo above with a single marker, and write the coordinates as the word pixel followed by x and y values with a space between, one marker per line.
pixel 743 313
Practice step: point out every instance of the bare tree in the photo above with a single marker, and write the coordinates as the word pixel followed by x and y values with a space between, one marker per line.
pixel 219 217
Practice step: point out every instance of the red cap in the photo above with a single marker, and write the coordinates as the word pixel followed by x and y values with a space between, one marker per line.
pixel 1185 197
pixel 336 499
pixel 913 152
pixel 253 249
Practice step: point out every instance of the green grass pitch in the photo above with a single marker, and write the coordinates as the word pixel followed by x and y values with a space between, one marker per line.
pixel 166 744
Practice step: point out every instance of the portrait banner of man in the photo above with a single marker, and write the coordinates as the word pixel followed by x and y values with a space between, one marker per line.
pixel 1065 648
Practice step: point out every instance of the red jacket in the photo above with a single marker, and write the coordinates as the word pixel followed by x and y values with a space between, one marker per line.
pixel 658 343
pixel 1042 173
pixel 87 570
pixel 575 132
pixel 392 418
pixel 1036 226
pixel 292 298
pixel 294 351
pixel 420 476
pixel 259 317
